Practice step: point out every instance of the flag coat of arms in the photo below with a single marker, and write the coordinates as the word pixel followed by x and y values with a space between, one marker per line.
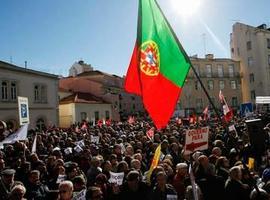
pixel 159 65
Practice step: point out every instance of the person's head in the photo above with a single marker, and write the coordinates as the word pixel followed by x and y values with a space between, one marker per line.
pixel 217 151
pixel 8 176
pixel 122 166
pixel 94 193
pixel 136 164
pixel 95 161
pixel 182 169
pixel 79 183
pixel 34 177
pixel 236 173
pixel 2 164
pixel 17 192
pixel 65 190
pixel 203 160
pixel 133 178
pixel 222 162
pixel 266 175
pixel 161 179
pixel 262 196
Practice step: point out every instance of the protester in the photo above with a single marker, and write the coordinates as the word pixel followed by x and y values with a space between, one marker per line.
pixel 78 163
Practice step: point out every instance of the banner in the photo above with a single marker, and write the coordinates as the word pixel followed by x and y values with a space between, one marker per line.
pixel 79 195
pixel 116 178
pixel 23 110
pixel 21 134
pixel 94 139
pixel 196 139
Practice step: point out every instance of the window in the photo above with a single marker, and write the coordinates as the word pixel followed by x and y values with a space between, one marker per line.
pixel 199 103
pixel 132 98
pixel 40 93
pixel 4 90
pixel 13 91
pixel 234 102
pixel 268 43
pixel 268 59
pixel 250 61
pixel 233 85
pixel 220 71
pixel 248 45
pixel 251 78
pixel 197 69
pixel 232 50
pixel 96 115
pixel 252 95
pixel 197 85
pixel 43 93
pixel 210 85
pixel 83 116
pixel 107 114
pixel 213 101
pixel 208 71
pixel 36 93
pixel 133 106
pixel 231 70
pixel 221 85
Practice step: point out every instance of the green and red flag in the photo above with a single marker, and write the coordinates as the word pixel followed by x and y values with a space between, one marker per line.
pixel 159 64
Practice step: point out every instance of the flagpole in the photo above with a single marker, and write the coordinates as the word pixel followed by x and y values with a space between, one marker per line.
pixel 207 94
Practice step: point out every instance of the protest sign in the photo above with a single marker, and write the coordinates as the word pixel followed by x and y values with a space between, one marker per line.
pixel 116 178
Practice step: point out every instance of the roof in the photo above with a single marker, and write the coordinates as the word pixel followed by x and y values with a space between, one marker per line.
pixel 82 84
pixel 97 72
pixel 9 66
pixel 213 60
pixel 80 97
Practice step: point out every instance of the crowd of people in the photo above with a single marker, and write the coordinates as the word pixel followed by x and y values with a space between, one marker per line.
pixel 77 163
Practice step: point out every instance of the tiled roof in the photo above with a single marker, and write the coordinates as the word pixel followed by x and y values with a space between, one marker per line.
pixel 80 97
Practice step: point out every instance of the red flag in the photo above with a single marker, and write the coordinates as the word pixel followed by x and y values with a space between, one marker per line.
pixel 192 119
pixel 100 122
pixel 206 114
pixel 159 65
pixel 227 112
pixel 131 120
pixel 108 122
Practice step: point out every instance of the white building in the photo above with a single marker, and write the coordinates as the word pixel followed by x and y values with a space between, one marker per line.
pixel 40 88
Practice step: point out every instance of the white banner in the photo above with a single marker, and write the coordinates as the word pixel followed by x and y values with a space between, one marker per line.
pixel 196 139
pixel 23 110
pixel 21 134
pixel 116 178
pixel 80 195
pixel 34 146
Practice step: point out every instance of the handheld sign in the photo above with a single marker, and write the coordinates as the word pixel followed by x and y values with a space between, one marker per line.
pixel 196 139
pixel 116 178
pixel 23 110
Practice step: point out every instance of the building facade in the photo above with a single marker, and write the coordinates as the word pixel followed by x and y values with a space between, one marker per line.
pixel 106 86
pixel 251 46
pixel 216 74
pixel 78 107
pixel 41 90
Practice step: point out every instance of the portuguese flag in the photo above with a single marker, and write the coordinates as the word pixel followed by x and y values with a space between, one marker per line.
pixel 159 65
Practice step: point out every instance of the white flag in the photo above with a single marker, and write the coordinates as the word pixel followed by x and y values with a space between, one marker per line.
pixel 193 183
pixel 34 146
pixel 21 134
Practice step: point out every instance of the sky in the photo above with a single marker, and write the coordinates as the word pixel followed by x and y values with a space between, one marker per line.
pixel 53 34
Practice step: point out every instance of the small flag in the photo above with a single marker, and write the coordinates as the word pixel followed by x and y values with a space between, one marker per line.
pixel 150 133
pixel 227 112
pixel 84 126
pixel 206 113
pixel 34 146
pixel 154 163
pixel 77 130
pixel 99 123
pixel 108 122
pixel 251 163
pixel 131 120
